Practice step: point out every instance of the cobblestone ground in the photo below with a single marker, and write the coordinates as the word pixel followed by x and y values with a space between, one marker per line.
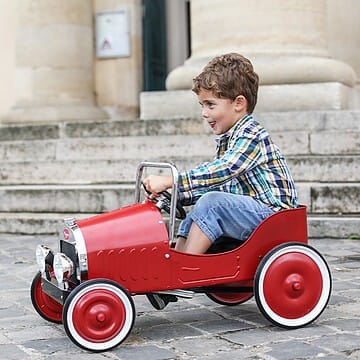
pixel 188 329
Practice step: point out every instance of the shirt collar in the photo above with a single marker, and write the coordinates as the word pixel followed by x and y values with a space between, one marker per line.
pixel 231 131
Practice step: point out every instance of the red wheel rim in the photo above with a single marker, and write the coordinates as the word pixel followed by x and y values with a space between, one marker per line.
pixel 99 316
pixel 47 307
pixel 292 285
pixel 231 298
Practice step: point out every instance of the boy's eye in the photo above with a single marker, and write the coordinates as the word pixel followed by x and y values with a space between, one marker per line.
pixel 208 105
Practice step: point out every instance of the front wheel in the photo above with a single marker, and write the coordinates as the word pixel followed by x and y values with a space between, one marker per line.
pixel 292 285
pixel 98 315
pixel 45 306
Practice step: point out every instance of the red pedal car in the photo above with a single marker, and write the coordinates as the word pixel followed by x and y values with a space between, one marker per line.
pixel 105 260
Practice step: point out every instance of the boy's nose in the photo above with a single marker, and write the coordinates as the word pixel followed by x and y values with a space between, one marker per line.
pixel 204 113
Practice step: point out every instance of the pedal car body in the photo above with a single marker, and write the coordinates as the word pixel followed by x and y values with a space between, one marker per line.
pixel 105 260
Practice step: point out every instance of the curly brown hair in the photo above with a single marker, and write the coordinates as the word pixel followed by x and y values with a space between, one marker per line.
pixel 229 76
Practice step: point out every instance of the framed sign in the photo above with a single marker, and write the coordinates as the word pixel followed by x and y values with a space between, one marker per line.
pixel 112 34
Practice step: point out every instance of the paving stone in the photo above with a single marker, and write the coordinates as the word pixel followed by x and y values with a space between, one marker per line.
pixel 169 332
pixel 204 346
pixel 293 350
pixel 146 320
pixel 343 324
pixel 148 352
pixel 344 343
pixel 350 308
pixel 51 346
pixel 222 326
pixel 35 332
pixel 312 331
pixel 10 313
pixel 81 356
pixel 3 339
pixel 355 355
pixel 338 299
pixel 336 357
pixel 13 352
pixel 341 285
pixel 257 337
pixel 245 354
pixel 193 315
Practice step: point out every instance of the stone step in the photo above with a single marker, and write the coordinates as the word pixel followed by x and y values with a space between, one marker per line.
pixel 65 198
pixel 48 171
pixel 145 147
pixel 328 227
pixel 314 168
pixel 327 198
pixel 312 121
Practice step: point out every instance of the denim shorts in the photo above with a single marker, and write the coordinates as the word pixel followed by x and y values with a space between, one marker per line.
pixel 220 214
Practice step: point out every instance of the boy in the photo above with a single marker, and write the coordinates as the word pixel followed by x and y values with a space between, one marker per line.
pixel 248 180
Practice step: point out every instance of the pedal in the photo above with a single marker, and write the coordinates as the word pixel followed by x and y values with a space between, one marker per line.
pixel 187 294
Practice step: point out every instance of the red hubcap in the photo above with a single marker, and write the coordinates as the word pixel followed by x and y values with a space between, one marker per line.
pixel 296 286
pixel 292 285
pixel 99 315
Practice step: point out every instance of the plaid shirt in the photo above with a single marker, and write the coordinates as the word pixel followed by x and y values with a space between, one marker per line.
pixel 247 162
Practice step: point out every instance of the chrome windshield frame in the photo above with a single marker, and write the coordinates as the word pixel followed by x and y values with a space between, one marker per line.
pixel 174 189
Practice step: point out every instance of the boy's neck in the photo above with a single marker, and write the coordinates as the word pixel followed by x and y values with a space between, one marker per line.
pixel 234 125
pixel 241 119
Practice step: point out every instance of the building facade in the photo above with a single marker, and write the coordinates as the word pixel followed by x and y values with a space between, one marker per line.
pixel 306 53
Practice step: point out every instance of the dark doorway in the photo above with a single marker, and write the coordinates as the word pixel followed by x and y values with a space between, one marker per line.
pixel 154 44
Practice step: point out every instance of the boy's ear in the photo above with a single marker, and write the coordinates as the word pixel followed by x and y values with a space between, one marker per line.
pixel 240 103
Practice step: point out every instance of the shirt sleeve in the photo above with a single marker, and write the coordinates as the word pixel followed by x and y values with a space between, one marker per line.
pixel 242 155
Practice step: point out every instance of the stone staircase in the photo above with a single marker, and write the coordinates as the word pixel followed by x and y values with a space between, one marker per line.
pixel 55 171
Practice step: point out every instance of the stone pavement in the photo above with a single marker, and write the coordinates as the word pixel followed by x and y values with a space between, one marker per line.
pixel 188 329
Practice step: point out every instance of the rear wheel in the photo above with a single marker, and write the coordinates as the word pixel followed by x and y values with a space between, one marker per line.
pixel 47 308
pixel 98 315
pixel 292 285
pixel 229 299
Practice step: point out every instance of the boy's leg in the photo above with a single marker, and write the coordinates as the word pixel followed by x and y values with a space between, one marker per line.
pixel 191 238
pixel 183 233
pixel 197 242
pixel 180 243
pixel 219 214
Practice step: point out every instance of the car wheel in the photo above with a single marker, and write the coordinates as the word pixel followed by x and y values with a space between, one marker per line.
pixel 229 299
pixel 98 315
pixel 292 285
pixel 46 307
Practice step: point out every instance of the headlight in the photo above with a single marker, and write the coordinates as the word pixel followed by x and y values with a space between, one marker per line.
pixel 42 252
pixel 63 267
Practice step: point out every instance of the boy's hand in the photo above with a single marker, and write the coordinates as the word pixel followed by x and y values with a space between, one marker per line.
pixel 156 184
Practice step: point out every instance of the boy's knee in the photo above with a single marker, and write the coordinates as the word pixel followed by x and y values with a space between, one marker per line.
pixel 206 198
pixel 209 200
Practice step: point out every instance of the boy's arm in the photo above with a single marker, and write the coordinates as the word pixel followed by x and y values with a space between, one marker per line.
pixel 156 184
pixel 243 156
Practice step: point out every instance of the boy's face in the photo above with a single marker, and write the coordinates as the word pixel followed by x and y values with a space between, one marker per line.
pixel 221 114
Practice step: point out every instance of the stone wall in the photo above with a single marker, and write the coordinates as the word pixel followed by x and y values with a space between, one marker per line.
pixel 49 71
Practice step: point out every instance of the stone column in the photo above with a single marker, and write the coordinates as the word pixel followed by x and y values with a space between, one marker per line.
pixel 54 62
pixel 287 43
